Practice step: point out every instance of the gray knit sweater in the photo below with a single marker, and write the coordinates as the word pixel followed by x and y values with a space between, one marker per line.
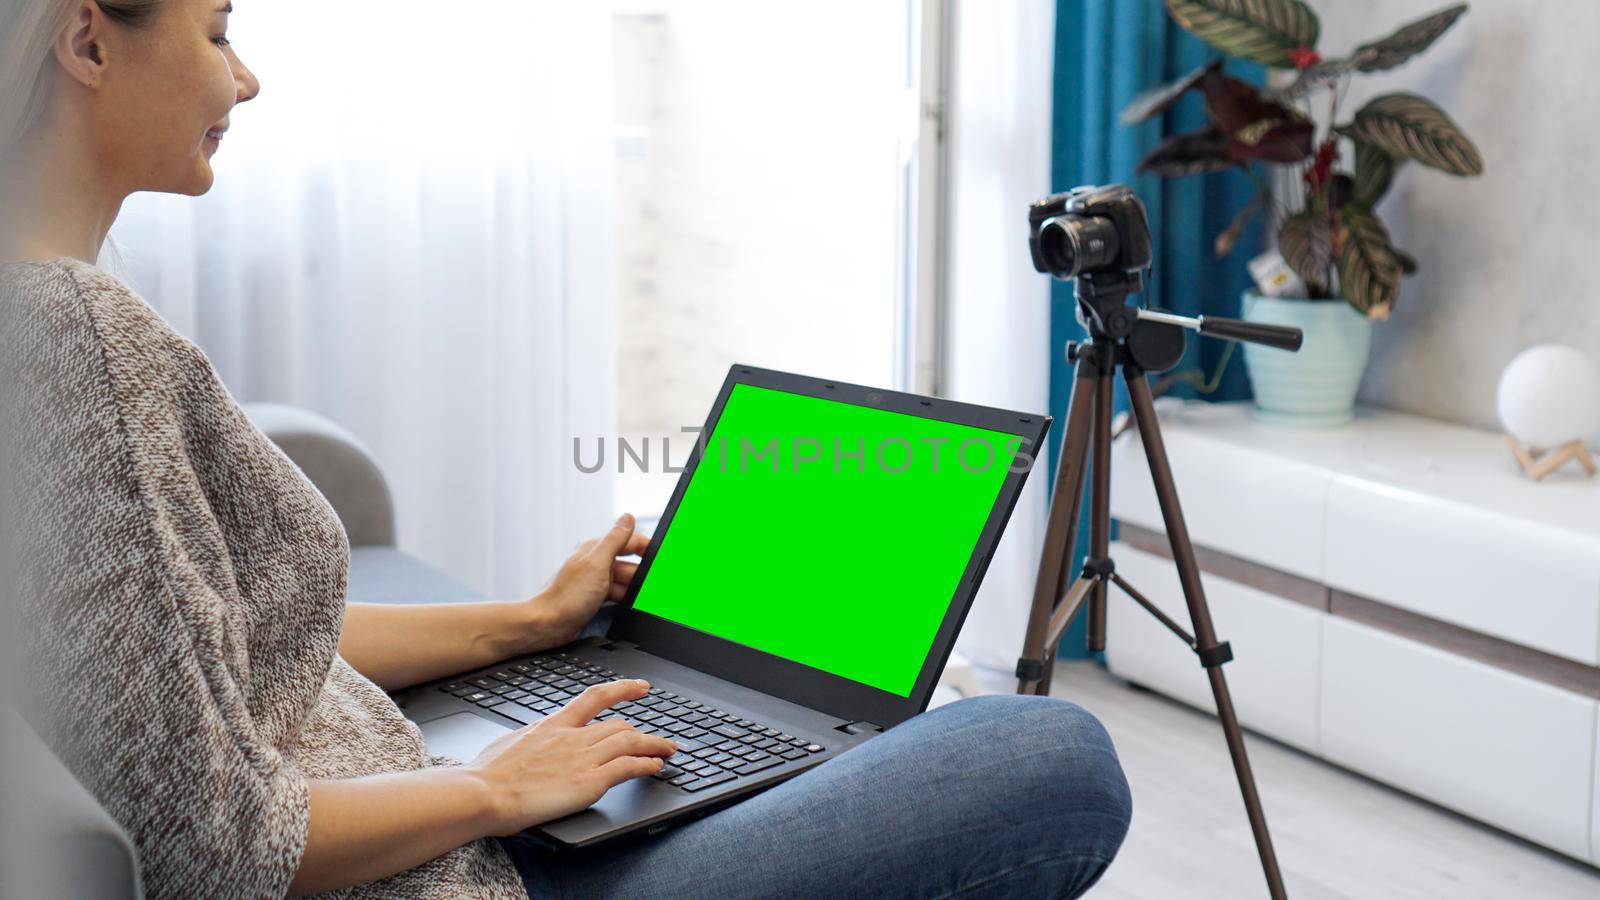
pixel 183 592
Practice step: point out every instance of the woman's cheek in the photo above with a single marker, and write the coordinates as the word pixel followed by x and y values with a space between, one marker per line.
pixel 219 90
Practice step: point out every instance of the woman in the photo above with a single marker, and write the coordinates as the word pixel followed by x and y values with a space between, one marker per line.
pixel 237 724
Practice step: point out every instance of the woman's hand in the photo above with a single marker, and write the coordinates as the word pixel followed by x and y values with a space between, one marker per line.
pixel 366 828
pixel 402 645
pixel 566 762
pixel 593 574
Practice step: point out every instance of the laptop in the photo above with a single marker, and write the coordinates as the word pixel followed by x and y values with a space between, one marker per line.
pixel 799 596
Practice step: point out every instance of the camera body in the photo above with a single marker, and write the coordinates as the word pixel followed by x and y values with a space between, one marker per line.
pixel 1090 230
pixel 1100 236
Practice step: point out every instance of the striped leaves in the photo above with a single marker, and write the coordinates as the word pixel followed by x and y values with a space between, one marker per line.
pixel 1374 172
pixel 1191 153
pixel 1156 101
pixel 1356 244
pixel 1306 242
pixel 1265 31
pixel 1406 126
pixel 1325 72
pixel 1376 56
pixel 1406 42
pixel 1257 128
pixel 1369 269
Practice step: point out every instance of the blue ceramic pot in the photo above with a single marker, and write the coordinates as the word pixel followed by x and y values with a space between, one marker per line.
pixel 1316 387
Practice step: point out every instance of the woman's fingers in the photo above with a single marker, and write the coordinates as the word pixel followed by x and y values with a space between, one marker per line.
pixel 621 578
pixel 634 743
pixel 596 699
pixel 636 545
pixel 622 572
pixel 623 768
pixel 614 542
pixel 598 731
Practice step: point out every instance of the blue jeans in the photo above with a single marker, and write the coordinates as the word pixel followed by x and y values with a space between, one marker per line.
pixel 1000 796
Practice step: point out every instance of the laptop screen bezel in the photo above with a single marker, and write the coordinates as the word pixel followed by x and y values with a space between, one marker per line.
pixel 826 692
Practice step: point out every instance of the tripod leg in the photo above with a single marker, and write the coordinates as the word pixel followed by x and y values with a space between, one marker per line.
pixel 1061 533
pixel 1068 607
pixel 1099 517
pixel 1100 509
pixel 1212 654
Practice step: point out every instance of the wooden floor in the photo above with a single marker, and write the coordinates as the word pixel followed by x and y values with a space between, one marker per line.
pixel 1337 834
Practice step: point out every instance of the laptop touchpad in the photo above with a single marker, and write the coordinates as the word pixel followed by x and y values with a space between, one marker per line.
pixel 460 735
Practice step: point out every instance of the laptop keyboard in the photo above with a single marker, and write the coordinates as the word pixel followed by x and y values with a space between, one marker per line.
pixel 714 747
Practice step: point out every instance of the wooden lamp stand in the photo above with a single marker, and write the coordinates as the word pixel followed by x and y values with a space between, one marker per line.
pixel 1539 463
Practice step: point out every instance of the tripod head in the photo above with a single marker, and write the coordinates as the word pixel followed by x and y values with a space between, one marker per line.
pixel 1100 236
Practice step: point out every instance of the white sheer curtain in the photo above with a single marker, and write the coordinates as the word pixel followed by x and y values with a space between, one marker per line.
pixel 411 232
pixel 999 307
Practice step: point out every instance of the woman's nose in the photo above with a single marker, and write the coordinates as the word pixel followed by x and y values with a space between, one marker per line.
pixel 245 81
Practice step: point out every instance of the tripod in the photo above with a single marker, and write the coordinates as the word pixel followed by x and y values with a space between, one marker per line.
pixel 1137 341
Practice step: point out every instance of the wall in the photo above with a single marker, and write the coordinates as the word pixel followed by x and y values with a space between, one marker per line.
pixel 1508 259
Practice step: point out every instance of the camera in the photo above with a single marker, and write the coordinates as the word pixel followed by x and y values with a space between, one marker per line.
pixel 1100 236
pixel 1089 230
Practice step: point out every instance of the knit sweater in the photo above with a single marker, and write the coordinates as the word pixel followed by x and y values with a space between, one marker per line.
pixel 183 589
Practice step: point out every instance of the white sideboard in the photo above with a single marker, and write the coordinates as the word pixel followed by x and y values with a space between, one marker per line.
pixel 1400 599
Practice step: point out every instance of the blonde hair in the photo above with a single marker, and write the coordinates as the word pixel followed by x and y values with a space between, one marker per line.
pixel 27 29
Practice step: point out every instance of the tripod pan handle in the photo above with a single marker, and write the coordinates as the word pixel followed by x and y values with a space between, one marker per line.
pixel 1280 336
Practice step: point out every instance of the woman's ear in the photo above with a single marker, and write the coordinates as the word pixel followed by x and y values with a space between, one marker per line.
pixel 80 48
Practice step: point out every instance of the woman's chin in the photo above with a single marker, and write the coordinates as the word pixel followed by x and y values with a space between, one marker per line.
pixel 199 181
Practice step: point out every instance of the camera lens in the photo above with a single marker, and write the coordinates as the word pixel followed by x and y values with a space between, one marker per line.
pixel 1071 246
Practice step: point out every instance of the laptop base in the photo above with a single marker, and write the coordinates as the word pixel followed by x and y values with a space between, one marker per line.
pixel 459 727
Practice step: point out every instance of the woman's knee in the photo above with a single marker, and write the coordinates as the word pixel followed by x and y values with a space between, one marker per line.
pixel 1062 765
pixel 1032 785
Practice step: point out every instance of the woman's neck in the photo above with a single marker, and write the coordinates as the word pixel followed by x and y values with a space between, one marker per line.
pixel 57 201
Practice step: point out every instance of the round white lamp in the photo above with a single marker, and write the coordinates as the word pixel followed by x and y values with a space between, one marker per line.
pixel 1549 403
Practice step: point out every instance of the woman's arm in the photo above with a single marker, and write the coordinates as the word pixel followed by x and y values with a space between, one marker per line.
pixel 363 829
pixel 398 646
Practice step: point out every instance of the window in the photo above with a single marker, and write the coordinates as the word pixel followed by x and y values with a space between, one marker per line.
pixel 770 189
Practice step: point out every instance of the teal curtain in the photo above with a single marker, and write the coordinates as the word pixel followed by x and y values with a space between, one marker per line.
pixel 1107 52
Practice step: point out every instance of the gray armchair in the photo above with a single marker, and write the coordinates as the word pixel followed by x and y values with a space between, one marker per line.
pixel 349 477
pixel 57 840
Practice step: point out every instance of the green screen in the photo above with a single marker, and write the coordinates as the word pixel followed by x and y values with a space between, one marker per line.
pixel 826 533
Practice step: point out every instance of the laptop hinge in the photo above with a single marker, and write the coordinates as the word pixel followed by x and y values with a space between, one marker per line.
pixel 860 728
pixel 619 645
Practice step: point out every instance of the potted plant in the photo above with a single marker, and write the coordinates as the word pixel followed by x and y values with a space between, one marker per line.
pixel 1328 232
